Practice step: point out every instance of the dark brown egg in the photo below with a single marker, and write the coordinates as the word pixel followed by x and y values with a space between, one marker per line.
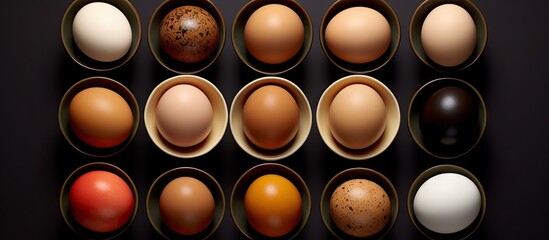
pixel 189 34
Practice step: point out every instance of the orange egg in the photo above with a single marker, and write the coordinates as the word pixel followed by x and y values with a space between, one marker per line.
pixel 100 117
pixel 273 205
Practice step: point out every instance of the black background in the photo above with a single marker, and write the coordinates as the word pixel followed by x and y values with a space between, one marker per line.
pixel 510 161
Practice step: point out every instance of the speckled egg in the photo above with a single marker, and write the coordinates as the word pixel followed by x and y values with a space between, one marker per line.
pixel 360 207
pixel 189 34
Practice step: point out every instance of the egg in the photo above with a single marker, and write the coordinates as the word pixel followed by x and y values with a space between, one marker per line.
pixel 270 117
pixel 101 201
pixel 102 32
pixel 100 117
pixel 357 116
pixel 186 205
pixel 360 207
pixel 273 205
pixel 358 35
pixel 189 34
pixel 448 35
pixel 447 203
pixel 184 115
pixel 274 33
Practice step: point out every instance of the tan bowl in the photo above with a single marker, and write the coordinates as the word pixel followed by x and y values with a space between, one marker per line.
pixel 391 128
pixel 63 115
pixel 305 119
pixel 78 56
pixel 162 57
pixel 357 173
pixel 219 116
pixel 417 22
pixel 431 172
pixel 246 57
pixel 153 196
pixel 241 186
pixel 65 205
pixel 379 5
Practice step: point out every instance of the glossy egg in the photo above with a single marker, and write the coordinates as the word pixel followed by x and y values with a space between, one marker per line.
pixel 360 207
pixel 100 117
pixel 270 117
pixel 189 34
pixel 358 35
pixel 273 205
pixel 101 201
pixel 357 116
pixel 102 32
pixel 186 205
pixel 184 115
pixel 274 33
pixel 448 35
pixel 447 203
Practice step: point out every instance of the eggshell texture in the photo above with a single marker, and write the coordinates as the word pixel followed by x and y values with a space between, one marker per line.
pixel 273 205
pixel 101 201
pixel 270 117
pixel 189 34
pixel 358 35
pixel 360 207
pixel 100 117
pixel 274 33
pixel 447 203
pixel 186 205
pixel 357 116
pixel 102 32
pixel 184 115
pixel 448 35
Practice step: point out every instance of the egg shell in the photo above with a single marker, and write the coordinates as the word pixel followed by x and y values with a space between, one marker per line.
pixel 184 115
pixel 357 116
pixel 358 35
pixel 273 205
pixel 270 117
pixel 189 34
pixel 274 33
pixel 360 207
pixel 186 205
pixel 102 32
pixel 448 35
pixel 100 117
pixel 447 203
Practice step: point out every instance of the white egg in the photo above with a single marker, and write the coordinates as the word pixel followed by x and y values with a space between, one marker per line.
pixel 447 203
pixel 102 32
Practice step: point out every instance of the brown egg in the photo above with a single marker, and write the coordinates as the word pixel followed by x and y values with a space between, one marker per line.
pixel 270 117
pixel 100 117
pixel 360 207
pixel 186 205
pixel 274 33
pixel 189 34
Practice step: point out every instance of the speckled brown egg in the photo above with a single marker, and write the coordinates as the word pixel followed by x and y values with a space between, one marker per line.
pixel 189 34
pixel 360 208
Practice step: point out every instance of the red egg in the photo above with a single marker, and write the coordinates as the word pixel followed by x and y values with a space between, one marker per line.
pixel 101 201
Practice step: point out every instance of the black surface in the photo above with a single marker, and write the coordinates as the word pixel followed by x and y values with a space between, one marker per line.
pixel 510 161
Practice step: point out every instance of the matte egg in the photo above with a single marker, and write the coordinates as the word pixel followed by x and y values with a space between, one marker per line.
pixel 102 32
pixel 274 33
pixel 358 35
pixel 360 207
pixel 100 117
pixel 449 35
pixel 186 205
pixel 270 117
pixel 189 34
pixel 357 116
pixel 273 205
pixel 447 203
pixel 184 115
